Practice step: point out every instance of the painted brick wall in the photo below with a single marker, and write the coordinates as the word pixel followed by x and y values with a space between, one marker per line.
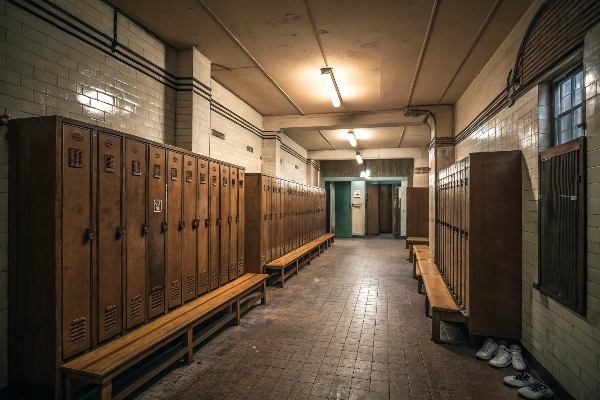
pixel 566 344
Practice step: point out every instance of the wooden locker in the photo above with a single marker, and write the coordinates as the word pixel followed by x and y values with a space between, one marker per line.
pixel 77 239
pixel 111 230
pixel 155 240
pixel 268 218
pixel 254 222
pixel 190 227
pixel 233 224
pixel 225 222
pixel 204 225
pixel 174 235
pixel 136 173
pixel 214 202
pixel 273 233
pixel 284 222
pixel 241 221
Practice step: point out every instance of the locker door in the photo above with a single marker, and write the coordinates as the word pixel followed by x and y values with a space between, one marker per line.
pixel 269 230
pixel 233 226
pixel 214 227
pixel 157 227
pixel 203 227
pixel 265 199
pixel 110 237
pixel 281 202
pixel 190 227
pixel 177 225
pixel 225 224
pixel 136 171
pixel 273 219
pixel 284 211
pixel 77 239
pixel 241 214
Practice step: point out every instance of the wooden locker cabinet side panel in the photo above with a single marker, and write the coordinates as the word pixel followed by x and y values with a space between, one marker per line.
pixel 417 212
pixel 241 222
pixel 215 173
pixel 190 227
pixel 495 243
pixel 253 228
pixel 78 239
pixel 267 218
pixel 225 218
pixel 136 279
pixel 110 236
pixel 155 240
pixel 233 224
pixel 174 233
pixel 204 227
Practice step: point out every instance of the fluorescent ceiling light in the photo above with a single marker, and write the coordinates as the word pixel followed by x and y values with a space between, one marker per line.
pixel 352 138
pixel 327 76
pixel 368 173
pixel 358 157
pixel 363 174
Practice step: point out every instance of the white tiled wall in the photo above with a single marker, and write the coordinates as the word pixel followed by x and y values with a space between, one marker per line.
pixel 566 344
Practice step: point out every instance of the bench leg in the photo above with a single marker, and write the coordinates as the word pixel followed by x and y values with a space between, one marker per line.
pixel 426 306
pixel 188 341
pixel 282 279
pixel 68 390
pixel 296 266
pixel 106 390
pixel 263 301
pixel 410 253
pixel 419 285
pixel 237 311
pixel 436 326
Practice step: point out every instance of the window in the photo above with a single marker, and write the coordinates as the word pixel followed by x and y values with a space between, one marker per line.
pixel 568 113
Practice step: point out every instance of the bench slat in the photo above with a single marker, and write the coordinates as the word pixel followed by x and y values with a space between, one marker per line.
pixel 439 297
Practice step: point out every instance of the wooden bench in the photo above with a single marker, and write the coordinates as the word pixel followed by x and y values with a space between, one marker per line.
pixel 411 241
pixel 420 252
pixel 443 306
pixel 295 259
pixel 163 341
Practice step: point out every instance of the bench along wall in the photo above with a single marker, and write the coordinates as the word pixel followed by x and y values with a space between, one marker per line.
pixel 281 216
pixel 109 231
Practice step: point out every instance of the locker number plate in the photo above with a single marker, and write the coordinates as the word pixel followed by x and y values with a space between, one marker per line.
pixel 158 206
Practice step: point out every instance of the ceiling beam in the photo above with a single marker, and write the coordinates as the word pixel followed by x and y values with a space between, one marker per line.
pixel 340 121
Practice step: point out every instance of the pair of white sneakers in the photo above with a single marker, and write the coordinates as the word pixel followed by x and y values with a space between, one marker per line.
pixel 529 387
pixel 502 356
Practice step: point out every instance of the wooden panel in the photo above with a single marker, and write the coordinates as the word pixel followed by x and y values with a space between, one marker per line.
pixel 136 172
pixel 190 228
pixel 253 223
pixel 155 239
pixel 110 236
pixel 268 218
pixel 234 217
pixel 204 243
pixel 215 173
pixel 78 237
pixel 175 232
pixel 241 221
pixel 417 212
pixel 372 210
pixel 385 209
pixel 225 224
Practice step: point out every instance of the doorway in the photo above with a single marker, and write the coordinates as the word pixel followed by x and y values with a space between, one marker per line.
pixel 379 208
pixel 343 210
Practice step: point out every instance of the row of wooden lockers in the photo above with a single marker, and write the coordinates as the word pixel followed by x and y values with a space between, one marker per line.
pixel 287 214
pixel 110 231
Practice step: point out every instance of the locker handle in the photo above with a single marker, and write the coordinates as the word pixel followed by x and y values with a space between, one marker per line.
pixel 265 217
pixel 280 216
pixel 207 222
pixel 164 227
pixel 229 219
pixel 195 224
pixel 237 218
pixel 270 216
pixel 120 232
pixel 90 234
pixel 218 221
pixel 145 229
pixel 181 225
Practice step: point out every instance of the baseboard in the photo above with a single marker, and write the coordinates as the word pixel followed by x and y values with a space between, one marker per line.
pixel 545 375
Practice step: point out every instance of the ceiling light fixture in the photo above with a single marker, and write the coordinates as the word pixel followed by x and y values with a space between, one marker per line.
pixel 358 157
pixel 352 138
pixel 327 76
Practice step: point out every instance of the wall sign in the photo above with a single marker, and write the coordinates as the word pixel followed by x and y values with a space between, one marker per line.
pixel 357 193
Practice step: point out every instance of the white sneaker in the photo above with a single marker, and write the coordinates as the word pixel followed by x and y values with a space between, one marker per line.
pixel 488 350
pixel 521 380
pixel 502 358
pixel 536 391
pixel 517 358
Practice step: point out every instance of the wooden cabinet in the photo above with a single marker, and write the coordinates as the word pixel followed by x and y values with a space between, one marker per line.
pixel 478 236
pixel 107 232
pixel 417 212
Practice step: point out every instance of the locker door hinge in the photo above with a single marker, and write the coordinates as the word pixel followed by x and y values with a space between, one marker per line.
pixel 145 229
pixel 164 227
pixel 181 225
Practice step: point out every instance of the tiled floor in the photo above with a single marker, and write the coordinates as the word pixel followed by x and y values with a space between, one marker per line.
pixel 349 326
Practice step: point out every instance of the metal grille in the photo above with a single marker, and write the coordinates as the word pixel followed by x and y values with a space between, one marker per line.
pixel 175 290
pixel 225 271
pixel 75 158
pixel 156 299
pixel 110 317
pixel 240 266
pixel 77 330
pixel 109 163
pixel 215 277
pixel 191 283
pixel 136 307
pixel 203 278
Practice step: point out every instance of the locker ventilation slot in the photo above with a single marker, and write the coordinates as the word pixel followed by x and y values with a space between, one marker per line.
pixel 202 178
pixel 173 174
pixel 203 281
pixel 156 299
pixel 225 271
pixel 190 284
pixel 233 267
pixel 189 176
pixel 136 307
pixel 157 171
pixel 110 317
pixel 75 158
pixel 175 290
pixel 109 163
pixel 77 330
pixel 240 266
pixel 215 277
pixel 136 168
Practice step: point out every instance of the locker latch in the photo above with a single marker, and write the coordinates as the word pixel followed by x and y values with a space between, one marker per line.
pixel 181 225
pixel 229 219
pixel 195 224
pixel 207 222
pixel 237 218
pixel 270 216
pixel 90 233
pixel 145 229
pixel 120 232
pixel 218 221
pixel 164 227
pixel 265 217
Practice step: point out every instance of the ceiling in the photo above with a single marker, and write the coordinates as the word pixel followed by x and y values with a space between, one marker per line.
pixel 385 54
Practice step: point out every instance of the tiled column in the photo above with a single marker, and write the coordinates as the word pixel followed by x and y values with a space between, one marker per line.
pixel 271 153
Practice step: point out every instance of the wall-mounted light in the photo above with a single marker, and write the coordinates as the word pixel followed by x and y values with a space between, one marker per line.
pixel 358 157
pixel 352 138
pixel 327 77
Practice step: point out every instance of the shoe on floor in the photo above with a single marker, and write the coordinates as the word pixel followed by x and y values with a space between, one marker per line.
pixel 502 358
pixel 521 380
pixel 536 391
pixel 488 350
pixel 517 358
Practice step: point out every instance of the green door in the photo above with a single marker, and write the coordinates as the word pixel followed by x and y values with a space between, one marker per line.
pixel 343 210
